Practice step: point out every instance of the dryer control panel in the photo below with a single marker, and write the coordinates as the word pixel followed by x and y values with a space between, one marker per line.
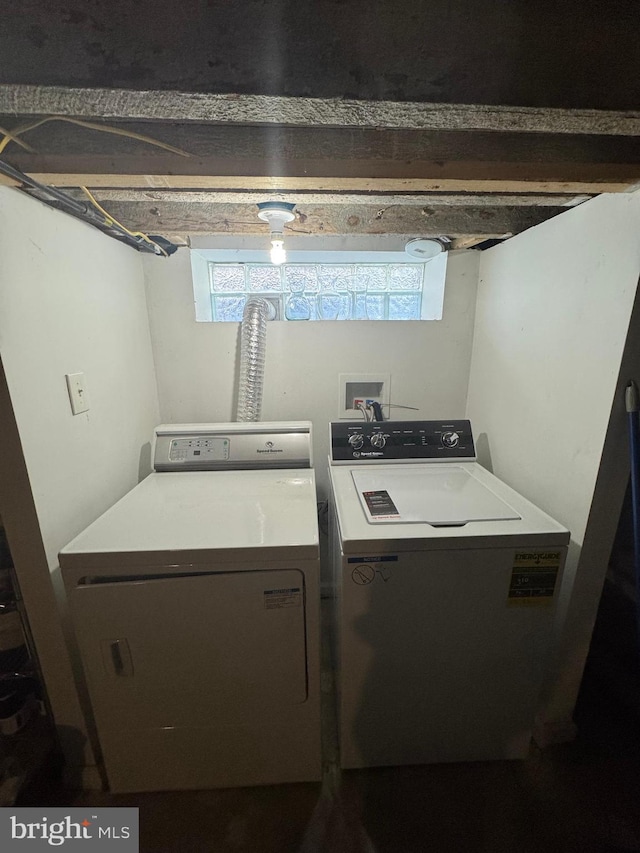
pixel 401 441
pixel 232 446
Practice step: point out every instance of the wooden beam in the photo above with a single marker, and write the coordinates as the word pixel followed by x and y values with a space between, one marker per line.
pixel 233 108
pixel 444 161
pixel 235 170
pixel 346 198
pixel 475 240
pixel 275 144
pixel 290 184
pixel 425 221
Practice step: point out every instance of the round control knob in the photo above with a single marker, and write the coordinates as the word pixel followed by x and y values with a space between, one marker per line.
pixel 450 439
pixel 378 440
pixel 356 440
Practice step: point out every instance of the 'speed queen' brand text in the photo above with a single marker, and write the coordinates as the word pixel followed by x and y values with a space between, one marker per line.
pixel 75 829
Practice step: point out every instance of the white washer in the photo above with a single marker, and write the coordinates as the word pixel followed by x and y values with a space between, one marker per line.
pixel 195 601
pixel 446 582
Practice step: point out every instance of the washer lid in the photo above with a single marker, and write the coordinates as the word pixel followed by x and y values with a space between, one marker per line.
pixel 442 496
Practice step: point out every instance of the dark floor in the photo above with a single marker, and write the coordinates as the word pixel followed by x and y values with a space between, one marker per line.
pixel 582 797
pixel 563 801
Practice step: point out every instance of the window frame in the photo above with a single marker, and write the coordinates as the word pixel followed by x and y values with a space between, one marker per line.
pixel 435 275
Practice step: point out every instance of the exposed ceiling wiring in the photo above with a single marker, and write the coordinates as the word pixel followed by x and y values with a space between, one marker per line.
pixel 89 212
pixel 65 202
pixel 14 134
pixel 111 219
pixel 10 137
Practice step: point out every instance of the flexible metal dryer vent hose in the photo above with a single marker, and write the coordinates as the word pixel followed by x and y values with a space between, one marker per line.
pixel 253 345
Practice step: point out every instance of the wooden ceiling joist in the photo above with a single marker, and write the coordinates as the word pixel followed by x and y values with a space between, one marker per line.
pixel 346 198
pixel 469 172
pixel 289 184
pixel 327 160
pixel 21 99
pixel 472 241
pixel 271 144
pixel 206 218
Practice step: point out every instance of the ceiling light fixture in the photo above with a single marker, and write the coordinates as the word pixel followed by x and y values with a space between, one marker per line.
pixel 276 213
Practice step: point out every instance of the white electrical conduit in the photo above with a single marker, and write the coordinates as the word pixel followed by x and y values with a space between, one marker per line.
pixel 253 344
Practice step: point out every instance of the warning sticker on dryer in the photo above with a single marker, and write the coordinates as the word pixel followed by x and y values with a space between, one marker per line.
pixel 533 577
pixel 276 599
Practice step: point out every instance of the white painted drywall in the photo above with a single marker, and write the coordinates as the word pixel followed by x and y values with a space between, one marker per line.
pixel 553 310
pixel 196 362
pixel 71 299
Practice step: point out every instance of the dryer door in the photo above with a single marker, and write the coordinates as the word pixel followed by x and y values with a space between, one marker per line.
pixel 175 651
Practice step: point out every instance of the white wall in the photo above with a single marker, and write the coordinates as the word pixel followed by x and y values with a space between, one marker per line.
pixel 196 362
pixel 71 300
pixel 553 309
pixel 554 306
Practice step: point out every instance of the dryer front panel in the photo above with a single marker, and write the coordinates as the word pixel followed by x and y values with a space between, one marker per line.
pixel 176 651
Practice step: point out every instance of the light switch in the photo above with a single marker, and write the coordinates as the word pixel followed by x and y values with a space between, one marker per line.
pixel 77 393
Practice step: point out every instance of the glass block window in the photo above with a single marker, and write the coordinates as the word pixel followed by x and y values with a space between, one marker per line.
pixel 227 278
pixel 329 291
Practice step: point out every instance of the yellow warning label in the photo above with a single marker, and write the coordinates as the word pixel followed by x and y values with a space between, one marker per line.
pixel 533 577
pixel 526 559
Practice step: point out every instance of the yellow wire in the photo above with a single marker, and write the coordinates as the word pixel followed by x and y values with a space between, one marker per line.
pixel 110 218
pixel 10 137
pixel 13 136
pixel 104 128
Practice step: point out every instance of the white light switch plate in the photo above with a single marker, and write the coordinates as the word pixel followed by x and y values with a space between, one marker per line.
pixel 77 393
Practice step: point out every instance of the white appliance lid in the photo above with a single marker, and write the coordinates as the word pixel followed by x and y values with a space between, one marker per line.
pixel 357 536
pixel 205 515
pixel 445 495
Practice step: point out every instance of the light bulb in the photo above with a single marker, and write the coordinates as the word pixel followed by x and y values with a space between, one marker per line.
pixel 278 253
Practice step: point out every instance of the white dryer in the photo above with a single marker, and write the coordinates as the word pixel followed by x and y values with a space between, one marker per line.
pixel 195 601
pixel 446 582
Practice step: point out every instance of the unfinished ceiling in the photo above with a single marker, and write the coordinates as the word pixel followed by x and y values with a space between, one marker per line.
pixel 413 118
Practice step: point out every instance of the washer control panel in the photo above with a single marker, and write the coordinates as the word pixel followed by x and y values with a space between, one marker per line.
pixel 401 441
